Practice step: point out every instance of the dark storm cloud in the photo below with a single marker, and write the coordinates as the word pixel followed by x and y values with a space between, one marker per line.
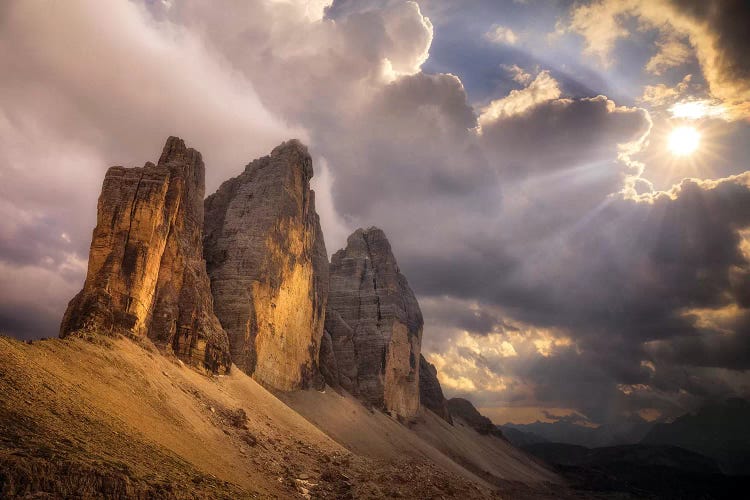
pixel 631 278
pixel 723 345
pixel 634 268
pixel 477 320
pixel 416 143
pixel 26 323
pixel 561 133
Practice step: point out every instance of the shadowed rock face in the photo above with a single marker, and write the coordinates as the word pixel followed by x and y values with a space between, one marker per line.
pixel 430 392
pixel 268 266
pixel 375 325
pixel 463 409
pixel 328 366
pixel 146 274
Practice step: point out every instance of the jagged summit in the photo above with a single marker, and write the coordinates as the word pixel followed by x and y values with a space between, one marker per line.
pixel 375 325
pixel 291 146
pixel 175 151
pixel 268 266
pixel 294 153
pixel 146 274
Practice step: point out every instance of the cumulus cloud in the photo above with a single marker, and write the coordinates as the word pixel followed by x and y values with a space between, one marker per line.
pixel 501 34
pixel 542 89
pixel 672 50
pixel 661 94
pixel 715 32
pixel 517 73
pixel 560 133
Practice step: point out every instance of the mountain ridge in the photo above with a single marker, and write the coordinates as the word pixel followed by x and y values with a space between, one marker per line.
pixel 183 377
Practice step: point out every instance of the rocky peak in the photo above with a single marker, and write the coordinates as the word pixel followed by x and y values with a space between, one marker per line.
pixel 146 274
pixel 268 266
pixel 294 153
pixel 430 392
pixel 463 409
pixel 375 325
pixel 175 152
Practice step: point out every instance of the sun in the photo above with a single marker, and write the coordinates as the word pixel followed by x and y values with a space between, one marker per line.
pixel 683 141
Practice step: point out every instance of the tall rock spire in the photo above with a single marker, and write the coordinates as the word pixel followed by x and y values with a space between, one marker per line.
pixel 268 266
pixel 375 325
pixel 146 274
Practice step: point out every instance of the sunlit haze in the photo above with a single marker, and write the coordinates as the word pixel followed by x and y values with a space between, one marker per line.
pixel 684 141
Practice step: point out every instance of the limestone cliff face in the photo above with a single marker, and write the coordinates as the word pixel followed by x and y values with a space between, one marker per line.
pixel 430 393
pixel 375 325
pixel 146 274
pixel 268 267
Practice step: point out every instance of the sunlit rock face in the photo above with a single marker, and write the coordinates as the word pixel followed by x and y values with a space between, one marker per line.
pixel 430 392
pixel 268 266
pixel 146 274
pixel 375 325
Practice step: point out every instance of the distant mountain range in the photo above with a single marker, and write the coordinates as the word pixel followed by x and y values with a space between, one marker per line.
pixel 640 454
pixel 640 471
pixel 720 431
pixel 705 454
pixel 568 432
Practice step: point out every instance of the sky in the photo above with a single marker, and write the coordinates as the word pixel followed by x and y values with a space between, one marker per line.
pixel 565 184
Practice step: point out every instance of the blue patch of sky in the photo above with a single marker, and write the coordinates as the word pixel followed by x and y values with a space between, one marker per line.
pixel 460 47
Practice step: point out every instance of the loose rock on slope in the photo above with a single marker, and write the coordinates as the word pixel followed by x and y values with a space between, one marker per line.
pixel 375 325
pixel 146 274
pixel 268 266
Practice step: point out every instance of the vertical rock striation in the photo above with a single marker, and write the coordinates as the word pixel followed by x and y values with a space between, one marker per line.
pixel 430 393
pixel 146 274
pixel 329 367
pixel 268 266
pixel 375 325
